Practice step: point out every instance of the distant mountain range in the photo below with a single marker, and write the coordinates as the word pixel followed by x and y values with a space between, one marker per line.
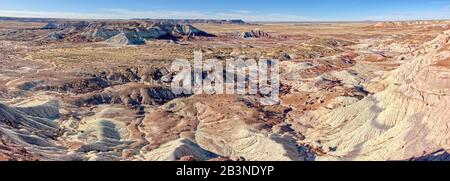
pixel 190 21
pixel 177 21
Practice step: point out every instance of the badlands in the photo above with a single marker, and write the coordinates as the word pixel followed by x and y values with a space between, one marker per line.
pixel 100 90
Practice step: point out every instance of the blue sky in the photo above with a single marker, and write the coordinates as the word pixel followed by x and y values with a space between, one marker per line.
pixel 249 10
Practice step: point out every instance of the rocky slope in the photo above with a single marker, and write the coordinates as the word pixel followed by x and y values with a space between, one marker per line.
pixel 256 33
pixel 406 117
pixel 119 33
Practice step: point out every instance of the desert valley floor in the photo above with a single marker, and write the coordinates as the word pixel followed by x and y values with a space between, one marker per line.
pixel 100 90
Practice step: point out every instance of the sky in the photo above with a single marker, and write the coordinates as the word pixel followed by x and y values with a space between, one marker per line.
pixel 248 10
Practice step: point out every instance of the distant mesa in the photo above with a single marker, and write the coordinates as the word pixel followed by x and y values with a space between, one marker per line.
pixel 192 21
pixel 176 21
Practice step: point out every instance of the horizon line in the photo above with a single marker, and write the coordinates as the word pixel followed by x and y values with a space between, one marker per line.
pixel 2 18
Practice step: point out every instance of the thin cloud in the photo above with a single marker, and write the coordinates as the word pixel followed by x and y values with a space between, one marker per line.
pixel 243 11
pixel 39 14
pixel 441 14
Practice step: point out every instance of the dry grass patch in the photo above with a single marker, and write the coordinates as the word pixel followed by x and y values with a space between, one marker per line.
pixel 20 25
pixel 78 56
